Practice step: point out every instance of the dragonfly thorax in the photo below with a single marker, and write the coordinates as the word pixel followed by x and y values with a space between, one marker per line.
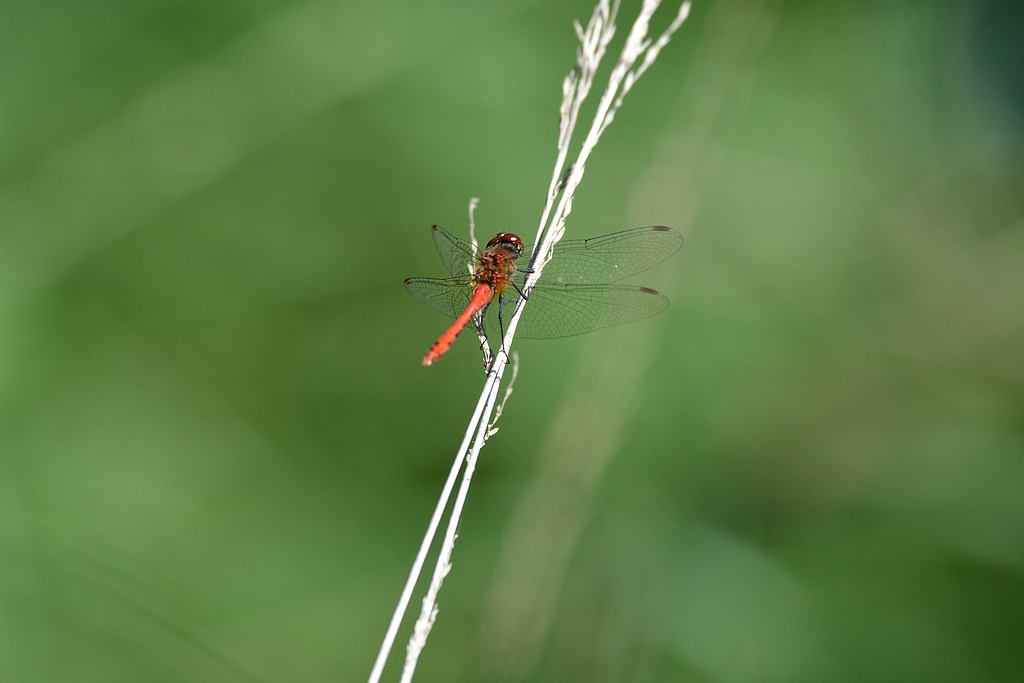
pixel 495 268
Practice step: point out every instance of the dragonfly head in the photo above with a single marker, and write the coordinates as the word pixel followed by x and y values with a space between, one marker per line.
pixel 508 242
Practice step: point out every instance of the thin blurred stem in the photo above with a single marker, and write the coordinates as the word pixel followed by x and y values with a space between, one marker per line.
pixel 586 430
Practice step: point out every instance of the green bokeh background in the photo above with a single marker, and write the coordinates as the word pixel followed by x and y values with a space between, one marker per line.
pixel 218 449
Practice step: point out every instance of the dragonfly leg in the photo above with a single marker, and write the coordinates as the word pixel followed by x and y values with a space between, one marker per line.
pixel 478 320
pixel 501 319
pixel 481 333
pixel 516 285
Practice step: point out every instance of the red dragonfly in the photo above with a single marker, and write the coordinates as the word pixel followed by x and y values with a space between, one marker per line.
pixel 572 296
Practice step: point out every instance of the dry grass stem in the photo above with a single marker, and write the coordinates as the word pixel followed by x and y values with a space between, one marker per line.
pixel 594 41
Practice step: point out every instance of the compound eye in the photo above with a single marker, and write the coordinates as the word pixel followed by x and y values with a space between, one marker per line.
pixel 507 239
pixel 513 240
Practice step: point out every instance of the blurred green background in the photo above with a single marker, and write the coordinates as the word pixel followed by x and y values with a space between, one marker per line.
pixel 218 449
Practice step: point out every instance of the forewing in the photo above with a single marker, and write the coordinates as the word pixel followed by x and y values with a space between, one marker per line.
pixel 608 258
pixel 460 257
pixel 565 311
pixel 448 295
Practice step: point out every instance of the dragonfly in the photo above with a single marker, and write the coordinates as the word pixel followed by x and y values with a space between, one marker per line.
pixel 573 296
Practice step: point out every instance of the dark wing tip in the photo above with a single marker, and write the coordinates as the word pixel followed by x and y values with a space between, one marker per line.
pixel 408 280
pixel 648 290
pixel 665 228
pixel 435 228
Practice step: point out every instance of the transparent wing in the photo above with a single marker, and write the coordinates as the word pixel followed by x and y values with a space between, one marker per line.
pixel 572 297
pixel 459 256
pixel 566 311
pixel 445 295
pixel 608 258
